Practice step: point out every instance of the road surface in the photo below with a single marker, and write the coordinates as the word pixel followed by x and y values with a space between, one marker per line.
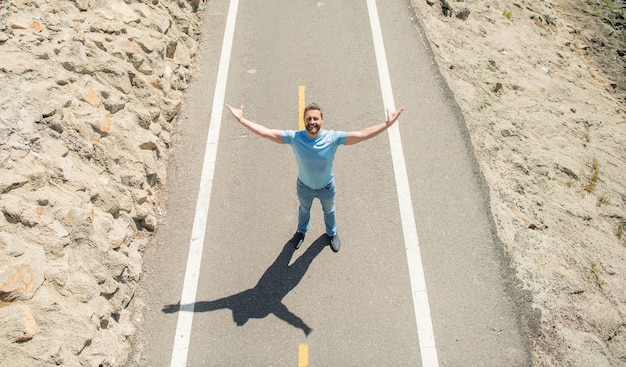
pixel 418 281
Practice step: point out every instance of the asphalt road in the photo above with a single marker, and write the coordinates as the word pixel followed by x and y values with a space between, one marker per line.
pixel 257 302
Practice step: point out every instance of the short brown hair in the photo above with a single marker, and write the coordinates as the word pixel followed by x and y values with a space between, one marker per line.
pixel 313 106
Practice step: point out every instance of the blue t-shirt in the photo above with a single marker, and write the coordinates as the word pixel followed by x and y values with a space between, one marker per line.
pixel 315 156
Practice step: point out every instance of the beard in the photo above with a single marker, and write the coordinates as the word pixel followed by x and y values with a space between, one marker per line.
pixel 312 128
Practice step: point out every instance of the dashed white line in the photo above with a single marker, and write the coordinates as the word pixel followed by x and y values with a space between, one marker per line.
pixel 425 332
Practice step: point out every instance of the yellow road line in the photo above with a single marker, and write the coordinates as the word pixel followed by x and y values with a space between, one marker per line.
pixel 303 355
pixel 301 105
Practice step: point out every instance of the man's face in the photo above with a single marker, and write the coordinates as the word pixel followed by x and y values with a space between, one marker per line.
pixel 313 122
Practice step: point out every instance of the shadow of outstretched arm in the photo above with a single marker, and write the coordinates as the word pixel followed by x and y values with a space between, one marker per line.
pixel 266 297
pixel 175 307
pixel 283 313
pixel 203 306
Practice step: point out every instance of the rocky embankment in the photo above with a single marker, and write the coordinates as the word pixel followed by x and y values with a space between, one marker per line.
pixel 89 93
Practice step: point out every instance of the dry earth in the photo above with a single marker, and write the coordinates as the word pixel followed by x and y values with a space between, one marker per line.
pixel 89 93
pixel 541 86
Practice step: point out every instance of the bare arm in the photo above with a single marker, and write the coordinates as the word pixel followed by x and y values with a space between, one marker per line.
pixel 354 137
pixel 272 134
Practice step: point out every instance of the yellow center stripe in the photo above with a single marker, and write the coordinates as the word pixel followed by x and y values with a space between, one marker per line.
pixel 301 105
pixel 303 349
pixel 303 355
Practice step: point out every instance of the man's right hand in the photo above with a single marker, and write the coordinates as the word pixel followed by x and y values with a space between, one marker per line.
pixel 236 112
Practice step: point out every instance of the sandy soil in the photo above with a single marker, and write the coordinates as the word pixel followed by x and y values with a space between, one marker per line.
pixel 542 85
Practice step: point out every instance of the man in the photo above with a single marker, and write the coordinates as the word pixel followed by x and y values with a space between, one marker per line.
pixel 315 151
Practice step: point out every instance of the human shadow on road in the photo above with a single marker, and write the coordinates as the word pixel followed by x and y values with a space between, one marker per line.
pixel 267 295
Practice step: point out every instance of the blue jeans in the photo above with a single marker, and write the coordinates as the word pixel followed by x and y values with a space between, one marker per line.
pixel 326 195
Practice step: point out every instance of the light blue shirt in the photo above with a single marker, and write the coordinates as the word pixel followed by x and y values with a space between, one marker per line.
pixel 315 156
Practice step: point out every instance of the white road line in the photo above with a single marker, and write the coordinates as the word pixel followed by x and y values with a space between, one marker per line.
pixel 425 332
pixel 192 272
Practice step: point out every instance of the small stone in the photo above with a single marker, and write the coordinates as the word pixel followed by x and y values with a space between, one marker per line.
pixel 569 172
pixel 174 111
pixel 102 124
pixel 58 228
pixel 132 178
pixel 10 180
pixel 20 278
pixel 18 323
pixel 82 5
pixel 48 111
pixel 164 25
pixel 463 14
pixel 150 223
pixel 170 50
pixel 18 25
pixel 92 98
pixel 156 129
pixel 149 144
pixel 114 104
pixel 83 286
pixel 446 8
pixel 11 246
pixel 182 56
pixel 142 211
pixel 140 196
pixel 128 14
pixel 36 26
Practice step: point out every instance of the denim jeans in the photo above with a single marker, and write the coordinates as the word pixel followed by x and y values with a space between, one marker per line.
pixel 326 195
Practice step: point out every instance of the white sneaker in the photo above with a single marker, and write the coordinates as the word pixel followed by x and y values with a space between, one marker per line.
pixel 297 240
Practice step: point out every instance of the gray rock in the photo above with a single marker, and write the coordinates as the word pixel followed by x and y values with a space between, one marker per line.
pixel 10 246
pixel 18 323
pixel 463 14
pixel 82 286
pixel 10 181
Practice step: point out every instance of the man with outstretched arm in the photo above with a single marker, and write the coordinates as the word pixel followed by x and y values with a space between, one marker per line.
pixel 315 151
